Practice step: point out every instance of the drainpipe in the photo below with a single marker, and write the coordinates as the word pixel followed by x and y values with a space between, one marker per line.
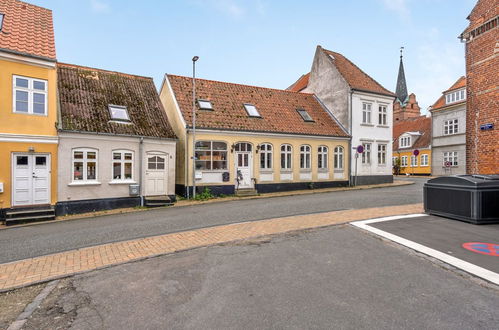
pixel 351 138
pixel 186 162
pixel 141 159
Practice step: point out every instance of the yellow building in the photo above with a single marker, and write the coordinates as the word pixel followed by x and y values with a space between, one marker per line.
pixel 410 135
pixel 28 112
pixel 252 139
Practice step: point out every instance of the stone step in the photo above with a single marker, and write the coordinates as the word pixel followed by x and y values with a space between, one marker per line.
pixel 246 192
pixel 29 214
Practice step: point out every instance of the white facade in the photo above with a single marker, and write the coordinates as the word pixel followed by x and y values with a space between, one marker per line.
pixel 378 135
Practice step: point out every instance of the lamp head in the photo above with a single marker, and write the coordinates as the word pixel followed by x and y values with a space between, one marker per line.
pixel 195 58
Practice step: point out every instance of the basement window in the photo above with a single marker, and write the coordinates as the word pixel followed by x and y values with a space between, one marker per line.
pixel 205 105
pixel 251 110
pixel 118 112
pixel 304 115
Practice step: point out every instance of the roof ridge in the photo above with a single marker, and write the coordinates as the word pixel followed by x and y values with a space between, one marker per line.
pixel 76 66
pixel 245 85
pixel 355 65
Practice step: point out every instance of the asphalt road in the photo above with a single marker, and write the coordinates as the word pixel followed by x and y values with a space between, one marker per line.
pixel 31 241
pixel 332 278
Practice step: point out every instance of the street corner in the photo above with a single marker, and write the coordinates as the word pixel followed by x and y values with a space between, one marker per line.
pixel 469 247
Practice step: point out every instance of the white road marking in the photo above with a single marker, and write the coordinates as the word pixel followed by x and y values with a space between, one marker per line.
pixel 458 263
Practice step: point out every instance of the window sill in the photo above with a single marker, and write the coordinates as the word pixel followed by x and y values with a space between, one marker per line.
pixel 84 183
pixel 287 171
pixel 323 170
pixel 122 182
pixel 367 124
pixel 339 170
pixel 30 114
pixel 384 126
pixel 266 171
pixel 305 170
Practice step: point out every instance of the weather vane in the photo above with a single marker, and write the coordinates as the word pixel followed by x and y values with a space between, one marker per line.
pixel 401 50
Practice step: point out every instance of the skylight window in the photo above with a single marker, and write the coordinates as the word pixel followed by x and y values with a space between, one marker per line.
pixel 304 114
pixel 1 21
pixel 118 112
pixel 251 110
pixel 205 105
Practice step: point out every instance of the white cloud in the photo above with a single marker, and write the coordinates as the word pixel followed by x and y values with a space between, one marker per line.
pixel 99 6
pixel 398 6
pixel 229 7
pixel 439 65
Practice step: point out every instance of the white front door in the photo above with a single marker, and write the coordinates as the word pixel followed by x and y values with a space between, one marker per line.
pixel 244 166
pixel 156 174
pixel 31 179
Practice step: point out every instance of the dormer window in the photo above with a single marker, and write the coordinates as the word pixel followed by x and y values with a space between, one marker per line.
pixel 304 115
pixel 455 96
pixel 251 110
pixel 405 141
pixel 118 112
pixel 205 105
pixel 1 20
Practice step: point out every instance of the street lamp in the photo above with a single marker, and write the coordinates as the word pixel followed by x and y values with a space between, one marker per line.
pixel 194 59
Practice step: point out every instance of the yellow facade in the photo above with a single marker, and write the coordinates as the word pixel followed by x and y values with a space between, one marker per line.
pixel 422 167
pixel 26 133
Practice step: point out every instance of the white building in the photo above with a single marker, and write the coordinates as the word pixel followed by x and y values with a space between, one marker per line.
pixel 363 107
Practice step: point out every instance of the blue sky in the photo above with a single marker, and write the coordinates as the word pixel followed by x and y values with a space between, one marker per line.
pixel 263 42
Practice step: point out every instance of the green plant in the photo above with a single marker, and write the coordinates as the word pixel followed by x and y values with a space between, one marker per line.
pixel 206 194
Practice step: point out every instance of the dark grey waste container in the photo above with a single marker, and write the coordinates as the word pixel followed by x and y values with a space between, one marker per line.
pixel 472 198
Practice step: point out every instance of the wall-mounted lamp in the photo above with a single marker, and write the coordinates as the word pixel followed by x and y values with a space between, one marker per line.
pixel 257 148
pixel 232 148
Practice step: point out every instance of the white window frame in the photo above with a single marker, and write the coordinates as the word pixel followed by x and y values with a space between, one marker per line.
pixel 414 161
pixel 122 161
pixel 85 160
pixel 455 96
pixel 338 158
pixel 382 115
pixel 366 113
pixel 266 151
pixel 205 104
pixel 118 107
pixel 366 155
pixel 403 161
pixel 424 160
pixel 452 157
pixel 381 154
pixel 211 151
pixel 251 110
pixel 322 157
pixel 287 153
pixel 394 159
pixel 305 115
pixel 31 91
pixel 305 157
pixel 405 141
pixel 451 126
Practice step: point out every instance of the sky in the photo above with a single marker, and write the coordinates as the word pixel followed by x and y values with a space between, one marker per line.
pixel 268 43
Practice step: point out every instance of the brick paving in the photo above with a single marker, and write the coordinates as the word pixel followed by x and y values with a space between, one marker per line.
pixel 34 270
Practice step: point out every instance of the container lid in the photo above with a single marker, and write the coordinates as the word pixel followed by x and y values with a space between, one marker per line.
pixel 476 180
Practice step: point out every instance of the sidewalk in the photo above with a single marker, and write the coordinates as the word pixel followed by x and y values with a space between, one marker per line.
pixel 40 269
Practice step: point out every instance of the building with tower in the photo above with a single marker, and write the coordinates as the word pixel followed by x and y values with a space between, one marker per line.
pixel 405 105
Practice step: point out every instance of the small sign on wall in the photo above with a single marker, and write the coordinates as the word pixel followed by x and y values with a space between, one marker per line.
pixel 198 175
pixel 486 127
pixel 225 176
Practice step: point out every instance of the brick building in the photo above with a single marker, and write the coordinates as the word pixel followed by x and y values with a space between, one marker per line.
pixel 482 73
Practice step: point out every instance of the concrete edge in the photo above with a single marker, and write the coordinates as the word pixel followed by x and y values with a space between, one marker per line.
pixel 221 200
pixel 465 266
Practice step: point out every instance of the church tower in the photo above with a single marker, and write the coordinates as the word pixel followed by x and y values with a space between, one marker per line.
pixel 405 106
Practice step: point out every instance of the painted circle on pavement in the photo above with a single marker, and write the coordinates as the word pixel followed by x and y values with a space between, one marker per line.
pixel 488 249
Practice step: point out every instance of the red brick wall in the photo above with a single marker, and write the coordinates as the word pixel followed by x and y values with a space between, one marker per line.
pixel 482 73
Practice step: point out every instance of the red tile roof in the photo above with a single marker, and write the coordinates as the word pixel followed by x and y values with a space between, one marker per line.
pixel 300 84
pixel 27 29
pixel 420 124
pixel 355 77
pixel 278 108
pixel 85 93
pixel 460 83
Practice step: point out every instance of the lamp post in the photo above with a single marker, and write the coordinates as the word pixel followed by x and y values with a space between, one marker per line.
pixel 194 59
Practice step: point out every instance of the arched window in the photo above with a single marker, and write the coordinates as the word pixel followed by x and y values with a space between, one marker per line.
pixel 265 156
pixel 243 146
pixel 84 164
pixel 338 158
pixel 322 152
pixel 305 154
pixel 286 152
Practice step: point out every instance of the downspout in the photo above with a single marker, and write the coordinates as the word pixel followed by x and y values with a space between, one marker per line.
pixel 186 162
pixel 351 138
pixel 141 158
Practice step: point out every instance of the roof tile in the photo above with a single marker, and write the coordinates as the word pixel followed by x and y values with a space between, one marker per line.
pixel 85 93
pixel 27 29
pixel 278 108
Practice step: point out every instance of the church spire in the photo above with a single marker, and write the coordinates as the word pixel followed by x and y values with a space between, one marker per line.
pixel 401 89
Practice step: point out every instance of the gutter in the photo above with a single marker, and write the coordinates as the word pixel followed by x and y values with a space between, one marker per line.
pixel 120 135
pixel 351 134
pixel 141 179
